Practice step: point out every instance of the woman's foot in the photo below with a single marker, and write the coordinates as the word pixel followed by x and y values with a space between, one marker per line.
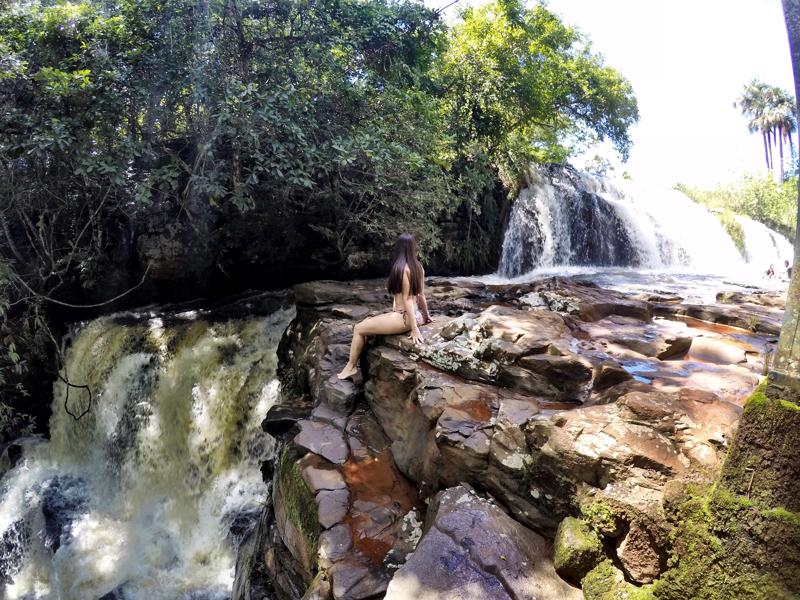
pixel 347 373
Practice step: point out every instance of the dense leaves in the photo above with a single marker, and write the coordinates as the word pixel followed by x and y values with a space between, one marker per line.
pixel 259 142
pixel 771 111
pixel 518 85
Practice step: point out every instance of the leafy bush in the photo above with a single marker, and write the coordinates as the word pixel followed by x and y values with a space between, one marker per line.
pixel 762 199
pixel 250 132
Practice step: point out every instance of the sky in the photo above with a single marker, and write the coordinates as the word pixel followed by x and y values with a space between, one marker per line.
pixel 687 60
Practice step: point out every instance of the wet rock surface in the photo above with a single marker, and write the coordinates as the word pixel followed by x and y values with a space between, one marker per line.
pixel 529 404
pixel 474 550
pixel 758 318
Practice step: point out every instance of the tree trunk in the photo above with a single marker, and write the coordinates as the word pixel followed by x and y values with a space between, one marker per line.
pixel 780 151
pixel 766 150
pixel 771 161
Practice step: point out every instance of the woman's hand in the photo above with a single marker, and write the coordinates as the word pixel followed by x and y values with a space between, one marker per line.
pixel 427 319
pixel 416 336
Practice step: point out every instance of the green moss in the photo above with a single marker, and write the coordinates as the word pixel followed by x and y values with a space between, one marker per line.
pixel 606 582
pixel 782 514
pixel 761 464
pixel 576 549
pixel 301 508
pixel 736 539
pixel 728 546
pixel 760 402
pixel 733 228
pixel 600 516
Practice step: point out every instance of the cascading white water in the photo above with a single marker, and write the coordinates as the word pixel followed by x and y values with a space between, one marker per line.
pixel 764 247
pixel 147 496
pixel 564 217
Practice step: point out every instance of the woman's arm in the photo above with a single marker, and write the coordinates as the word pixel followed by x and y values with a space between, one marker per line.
pixel 423 302
pixel 408 303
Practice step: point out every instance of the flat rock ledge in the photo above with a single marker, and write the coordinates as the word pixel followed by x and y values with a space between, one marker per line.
pixel 548 410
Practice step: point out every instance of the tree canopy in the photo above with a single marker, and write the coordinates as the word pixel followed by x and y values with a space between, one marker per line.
pixel 772 112
pixel 299 133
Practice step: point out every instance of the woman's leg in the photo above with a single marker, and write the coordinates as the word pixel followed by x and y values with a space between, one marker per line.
pixel 385 324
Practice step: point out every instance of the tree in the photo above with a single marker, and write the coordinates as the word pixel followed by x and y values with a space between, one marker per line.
pixel 248 143
pixel 782 117
pixel 772 112
pixel 753 104
pixel 518 85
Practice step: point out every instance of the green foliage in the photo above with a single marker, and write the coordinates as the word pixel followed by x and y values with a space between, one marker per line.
pixel 363 118
pixel 303 133
pixel 762 199
pixel 606 582
pixel 719 553
pixel 733 228
pixel 517 84
pixel 14 424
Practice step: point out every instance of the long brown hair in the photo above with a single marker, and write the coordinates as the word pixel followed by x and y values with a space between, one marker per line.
pixel 405 255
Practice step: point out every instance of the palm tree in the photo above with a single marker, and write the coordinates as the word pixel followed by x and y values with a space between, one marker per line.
pixel 771 111
pixel 753 104
pixel 782 117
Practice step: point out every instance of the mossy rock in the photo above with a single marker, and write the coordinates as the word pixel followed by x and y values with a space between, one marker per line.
pixel 577 549
pixel 740 539
pixel 727 546
pixel 601 517
pixel 296 507
pixel 763 462
pixel 606 582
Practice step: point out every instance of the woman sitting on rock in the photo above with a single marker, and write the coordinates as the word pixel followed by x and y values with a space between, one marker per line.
pixel 406 283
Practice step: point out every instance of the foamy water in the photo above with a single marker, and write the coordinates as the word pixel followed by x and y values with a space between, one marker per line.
pixel 146 496
pixel 567 218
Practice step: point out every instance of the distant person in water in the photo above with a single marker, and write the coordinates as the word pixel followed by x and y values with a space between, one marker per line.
pixel 770 272
pixel 788 269
pixel 406 283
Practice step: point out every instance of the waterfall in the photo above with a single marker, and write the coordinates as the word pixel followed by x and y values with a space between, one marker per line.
pixel 565 217
pixel 764 247
pixel 148 495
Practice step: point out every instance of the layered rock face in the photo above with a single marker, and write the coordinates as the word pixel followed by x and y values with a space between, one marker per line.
pixel 549 412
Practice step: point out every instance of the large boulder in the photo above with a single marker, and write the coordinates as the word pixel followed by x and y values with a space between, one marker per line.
pixel 654 339
pixel 771 298
pixel 585 300
pixel 751 317
pixel 473 550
